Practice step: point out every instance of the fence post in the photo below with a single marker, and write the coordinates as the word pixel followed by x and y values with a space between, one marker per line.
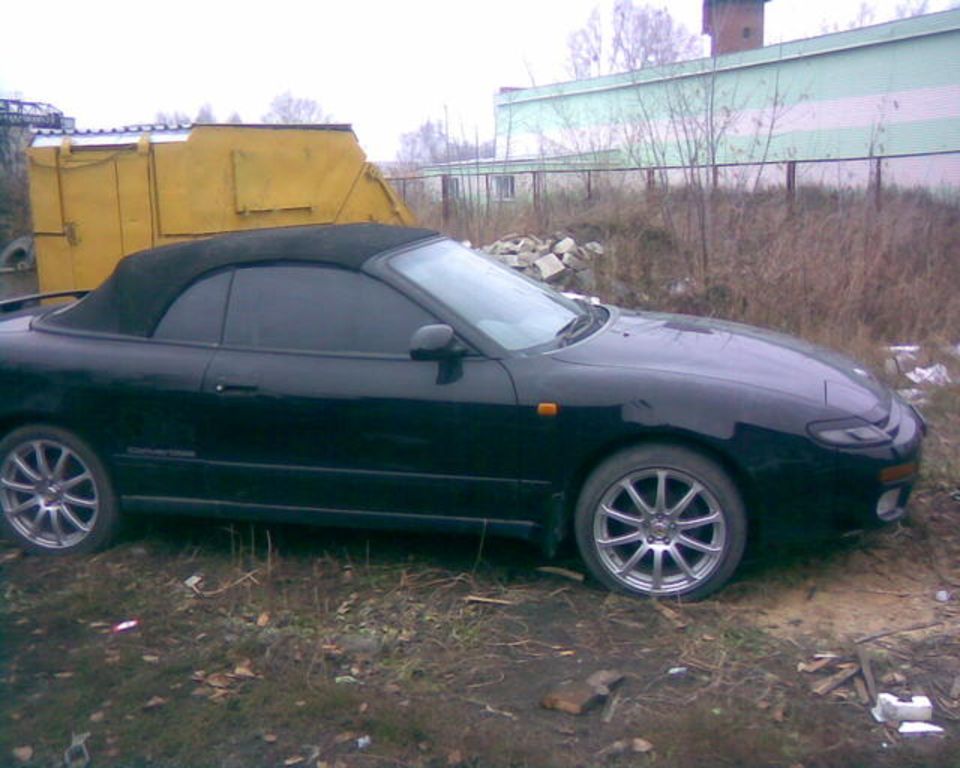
pixel 445 201
pixel 589 185
pixel 878 183
pixel 791 182
pixel 537 197
pixel 651 179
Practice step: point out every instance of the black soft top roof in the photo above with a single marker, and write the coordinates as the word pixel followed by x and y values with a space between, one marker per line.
pixel 133 299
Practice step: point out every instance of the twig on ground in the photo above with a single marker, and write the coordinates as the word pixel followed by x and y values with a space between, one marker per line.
pixel 888 632
pixel 250 575
pixel 487 600
pixel 492 710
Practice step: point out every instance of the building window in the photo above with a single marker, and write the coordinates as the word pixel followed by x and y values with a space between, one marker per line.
pixel 503 187
pixel 746 33
pixel 451 187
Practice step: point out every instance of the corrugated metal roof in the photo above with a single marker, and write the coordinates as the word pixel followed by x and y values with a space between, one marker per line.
pixel 158 133
pixel 111 137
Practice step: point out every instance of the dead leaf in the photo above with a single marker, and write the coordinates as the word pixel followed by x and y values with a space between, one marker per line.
pixel 199 675
pixel 363 708
pixel 263 619
pixel 641 745
pixel 243 669
pixel 343 738
pixel 296 760
pixel 218 680
pixel 454 758
pixel 669 614
pixel 150 658
pixel 270 738
pixel 156 701
pixel 97 717
pixel 63 675
pixel 23 754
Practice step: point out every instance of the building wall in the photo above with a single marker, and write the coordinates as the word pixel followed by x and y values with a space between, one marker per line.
pixel 891 89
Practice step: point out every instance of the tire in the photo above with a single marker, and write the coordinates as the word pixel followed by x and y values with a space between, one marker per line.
pixel 666 505
pixel 55 494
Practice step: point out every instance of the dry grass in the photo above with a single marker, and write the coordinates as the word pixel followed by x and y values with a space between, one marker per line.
pixel 831 267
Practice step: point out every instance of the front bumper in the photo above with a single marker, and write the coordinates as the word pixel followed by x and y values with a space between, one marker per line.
pixel 874 484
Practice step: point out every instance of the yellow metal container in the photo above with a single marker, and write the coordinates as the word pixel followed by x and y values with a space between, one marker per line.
pixel 97 197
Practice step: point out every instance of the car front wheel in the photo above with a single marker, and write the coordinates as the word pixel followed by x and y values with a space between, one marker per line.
pixel 661 521
pixel 54 492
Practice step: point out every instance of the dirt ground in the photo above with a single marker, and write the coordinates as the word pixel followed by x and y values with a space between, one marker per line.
pixel 282 646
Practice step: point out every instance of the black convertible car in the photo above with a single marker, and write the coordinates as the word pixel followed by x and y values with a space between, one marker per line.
pixel 365 375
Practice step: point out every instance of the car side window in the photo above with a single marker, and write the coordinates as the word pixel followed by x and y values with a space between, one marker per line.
pixel 319 309
pixel 197 313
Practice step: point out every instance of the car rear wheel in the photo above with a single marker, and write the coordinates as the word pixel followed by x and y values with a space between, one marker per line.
pixel 55 494
pixel 661 521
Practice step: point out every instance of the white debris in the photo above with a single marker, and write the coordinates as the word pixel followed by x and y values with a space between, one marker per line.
pixel 913 396
pixel 935 375
pixel 550 266
pixel 890 709
pixel 574 262
pixel 557 258
pixel 942 596
pixel 919 729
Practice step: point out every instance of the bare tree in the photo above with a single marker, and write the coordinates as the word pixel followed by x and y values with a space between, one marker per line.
pixel 431 143
pixel 638 36
pixel 172 118
pixel 647 37
pixel 289 109
pixel 205 114
pixel 585 46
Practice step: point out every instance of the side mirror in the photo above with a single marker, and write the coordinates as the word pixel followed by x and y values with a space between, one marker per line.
pixel 435 342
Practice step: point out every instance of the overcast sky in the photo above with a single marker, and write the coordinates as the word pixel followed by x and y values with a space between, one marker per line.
pixel 384 66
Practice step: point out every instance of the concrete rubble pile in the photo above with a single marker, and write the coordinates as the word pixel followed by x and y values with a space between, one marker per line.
pixel 557 259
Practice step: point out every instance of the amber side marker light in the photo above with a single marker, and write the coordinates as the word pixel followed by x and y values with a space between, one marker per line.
pixel 547 409
pixel 899 472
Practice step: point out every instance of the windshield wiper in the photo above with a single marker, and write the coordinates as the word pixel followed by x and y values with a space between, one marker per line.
pixel 576 325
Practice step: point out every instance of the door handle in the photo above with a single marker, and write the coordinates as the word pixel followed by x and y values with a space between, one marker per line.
pixel 234 388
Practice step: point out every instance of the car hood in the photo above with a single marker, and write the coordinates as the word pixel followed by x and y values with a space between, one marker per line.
pixel 741 354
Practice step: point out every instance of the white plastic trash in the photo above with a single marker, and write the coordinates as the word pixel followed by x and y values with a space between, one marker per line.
pixel 890 709
pixel 919 729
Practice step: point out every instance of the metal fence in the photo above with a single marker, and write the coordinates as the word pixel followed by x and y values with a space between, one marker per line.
pixel 485 188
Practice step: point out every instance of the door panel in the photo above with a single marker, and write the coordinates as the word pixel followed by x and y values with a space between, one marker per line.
pixel 363 432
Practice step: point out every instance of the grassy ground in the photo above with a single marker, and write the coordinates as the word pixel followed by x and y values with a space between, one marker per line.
pixel 295 643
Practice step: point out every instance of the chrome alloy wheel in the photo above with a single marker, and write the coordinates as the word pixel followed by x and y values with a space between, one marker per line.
pixel 48 494
pixel 659 531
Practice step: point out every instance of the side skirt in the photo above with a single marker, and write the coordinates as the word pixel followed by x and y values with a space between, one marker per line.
pixel 339 518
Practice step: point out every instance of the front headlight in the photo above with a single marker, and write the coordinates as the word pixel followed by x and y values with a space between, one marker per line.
pixel 848 433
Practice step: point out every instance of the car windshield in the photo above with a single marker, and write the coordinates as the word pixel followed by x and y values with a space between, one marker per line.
pixel 517 313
